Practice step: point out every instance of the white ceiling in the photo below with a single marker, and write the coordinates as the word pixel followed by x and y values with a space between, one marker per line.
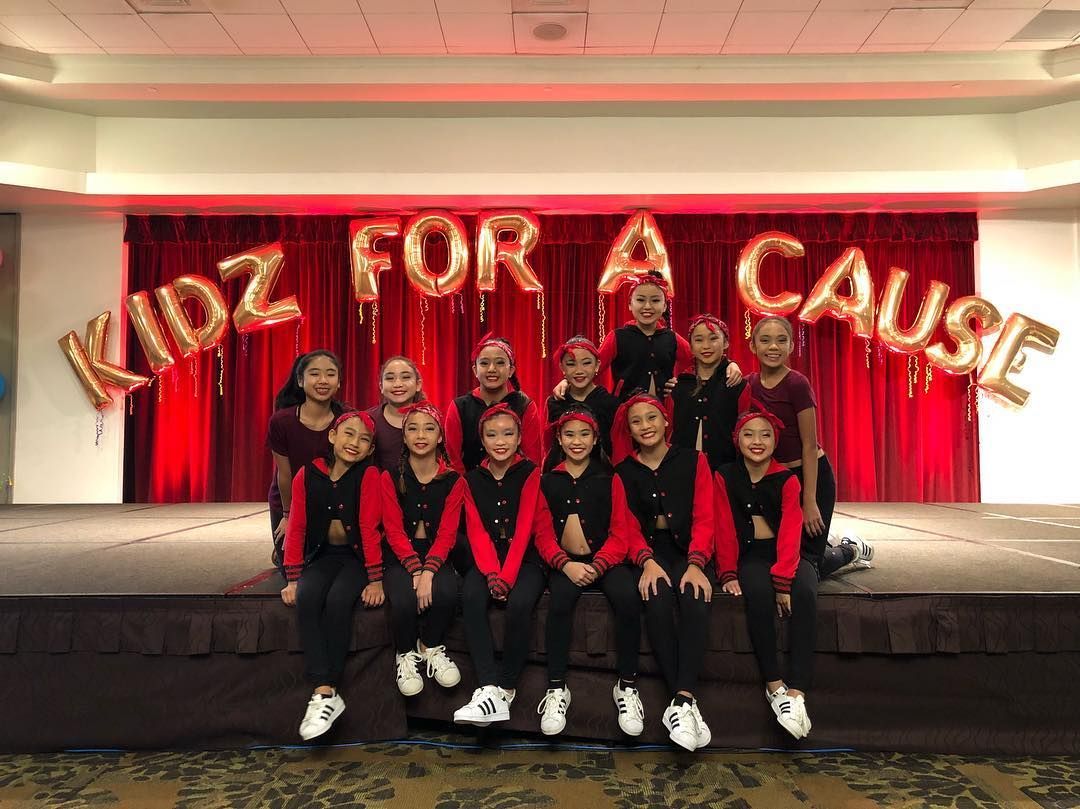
pixel 460 27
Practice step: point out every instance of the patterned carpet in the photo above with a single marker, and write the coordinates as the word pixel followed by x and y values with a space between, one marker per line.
pixel 428 774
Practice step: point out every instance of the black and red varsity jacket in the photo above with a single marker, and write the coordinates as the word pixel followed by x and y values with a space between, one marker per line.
pixel 714 408
pixel 598 498
pixel 463 428
pixel 437 504
pixel 317 501
pixel 777 499
pixel 501 517
pixel 635 358
pixel 680 489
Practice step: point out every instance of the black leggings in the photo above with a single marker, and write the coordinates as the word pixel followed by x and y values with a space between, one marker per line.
pixel 404 619
pixel 826 558
pixel 619 584
pixel 756 582
pixel 517 632
pixel 328 589
pixel 679 650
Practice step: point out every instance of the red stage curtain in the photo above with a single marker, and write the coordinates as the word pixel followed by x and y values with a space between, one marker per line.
pixel 187 443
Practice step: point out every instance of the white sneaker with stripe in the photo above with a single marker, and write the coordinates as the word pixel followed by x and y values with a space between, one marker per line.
pixel 631 711
pixel 786 711
pixel 552 710
pixel 489 704
pixel 681 725
pixel 864 551
pixel 322 711
pixel 704 735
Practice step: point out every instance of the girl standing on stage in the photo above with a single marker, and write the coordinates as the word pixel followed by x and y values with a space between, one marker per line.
pixel 759 536
pixel 421 511
pixel 587 550
pixel 704 407
pixel 788 394
pixel 399 385
pixel 494 368
pixel 669 492
pixel 503 509
pixel 335 516
pixel 304 408
pixel 579 362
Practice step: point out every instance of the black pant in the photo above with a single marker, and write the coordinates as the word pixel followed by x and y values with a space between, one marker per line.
pixel 816 548
pixel 756 582
pixel 679 650
pixel 619 584
pixel 329 587
pixel 404 618
pixel 277 556
pixel 519 606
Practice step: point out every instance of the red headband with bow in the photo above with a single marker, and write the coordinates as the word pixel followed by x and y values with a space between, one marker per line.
pixel 655 280
pixel 500 409
pixel 622 441
pixel 750 409
pixel 573 344
pixel 574 415
pixel 422 407
pixel 712 322
pixel 369 422
pixel 489 341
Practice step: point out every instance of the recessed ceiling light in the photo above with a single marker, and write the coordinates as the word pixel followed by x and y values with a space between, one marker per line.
pixel 549 31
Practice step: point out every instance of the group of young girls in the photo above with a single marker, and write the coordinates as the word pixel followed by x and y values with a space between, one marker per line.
pixel 649 493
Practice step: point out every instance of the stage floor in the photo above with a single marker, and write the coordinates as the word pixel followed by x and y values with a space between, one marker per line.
pixel 224 549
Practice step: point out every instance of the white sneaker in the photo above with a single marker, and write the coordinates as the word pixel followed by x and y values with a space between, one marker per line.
pixel 704 735
pixel 631 711
pixel 681 725
pixel 801 714
pixel 409 681
pixel 441 667
pixel 321 712
pixel 552 710
pixel 489 704
pixel 786 710
pixel 864 551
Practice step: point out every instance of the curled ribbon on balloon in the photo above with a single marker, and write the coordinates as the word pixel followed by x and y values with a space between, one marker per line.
pixel 748 279
pixel 256 310
pixel 958 317
pixel 457 264
pixel 621 266
pixel 491 250
pixel 90 366
pixel 368 262
pixel 148 329
pixel 916 337
pixel 1020 332
pixel 171 299
pixel 857 308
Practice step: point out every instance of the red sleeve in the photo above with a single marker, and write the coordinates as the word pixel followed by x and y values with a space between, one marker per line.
pixel 613 551
pixel 544 531
pixel 483 549
pixel 702 529
pixel 523 529
pixel 532 434
pixel 637 549
pixel 296 528
pixel 393 522
pixel 607 355
pixel 452 430
pixel 684 355
pixel 368 519
pixel 727 541
pixel 789 541
pixel 446 536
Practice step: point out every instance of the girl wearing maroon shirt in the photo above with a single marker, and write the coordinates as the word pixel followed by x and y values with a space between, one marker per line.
pixel 669 493
pixel 493 365
pixel 758 539
pixel 704 407
pixel 504 508
pixel 587 550
pixel 335 514
pixel 400 387
pixel 788 394
pixel 303 410
pixel 579 362
pixel 421 511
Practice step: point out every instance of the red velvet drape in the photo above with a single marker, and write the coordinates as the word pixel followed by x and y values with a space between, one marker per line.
pixel 188 443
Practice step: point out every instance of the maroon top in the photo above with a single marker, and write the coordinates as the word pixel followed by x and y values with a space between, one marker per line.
pixel 388 440
pixel 789 398
pixel 301 445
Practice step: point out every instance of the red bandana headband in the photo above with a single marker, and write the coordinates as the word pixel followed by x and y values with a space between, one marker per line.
pixel 422 407
pixel 574 415
pixel 500 409
pixel 487 341
pixel 648 278
pixel 573 344
pixel 369 422
pixel 622 442
pixel 750 409
pixel 712 322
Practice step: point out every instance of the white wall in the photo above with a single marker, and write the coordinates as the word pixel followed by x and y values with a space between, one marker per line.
pixel 71 269
pixel 1030 263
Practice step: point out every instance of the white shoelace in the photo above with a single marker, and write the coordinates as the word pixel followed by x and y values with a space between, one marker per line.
pixel 553 704
pixel 630 702
pixel 406 665
pixel 437 660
